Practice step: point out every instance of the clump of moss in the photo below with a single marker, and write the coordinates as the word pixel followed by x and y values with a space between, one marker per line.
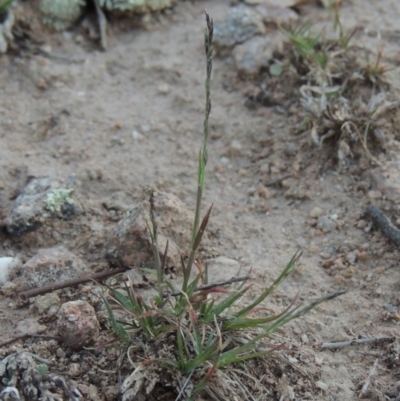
pixel 58 199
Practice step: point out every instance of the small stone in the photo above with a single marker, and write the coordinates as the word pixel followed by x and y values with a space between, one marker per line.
pixel 44 302
pixel 74 370
pixel 60 353
pixel 351 257
pixel 7 265
pixel 304 338
pixel 349 272
pixel 326 224
pixel 362 256
pixel 77 324
pixel 362 224
pixel 52 311
pixel 339 264
pixel 316 212
pixel 325 255
pixel 163 89
pixel 320 384
pixel 327 264
pixel 235 149
pixel 51 266
pixel 264 192
pixel 319 360
pixel 137 136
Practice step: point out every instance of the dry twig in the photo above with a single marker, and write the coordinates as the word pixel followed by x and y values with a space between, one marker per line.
pixel 70 283
pixel 360 341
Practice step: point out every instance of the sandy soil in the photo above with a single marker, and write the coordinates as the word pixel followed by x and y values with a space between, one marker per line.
pixel 150 81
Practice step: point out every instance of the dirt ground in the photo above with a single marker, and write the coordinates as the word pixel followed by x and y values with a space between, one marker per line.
pixel 130 119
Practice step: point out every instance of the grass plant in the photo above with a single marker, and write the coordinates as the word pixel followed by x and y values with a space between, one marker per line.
pixel 185 335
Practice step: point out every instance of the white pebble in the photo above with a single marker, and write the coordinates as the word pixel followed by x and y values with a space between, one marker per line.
pixel 136 135
pixel 316 212
pixel 323 386
pixel 6 265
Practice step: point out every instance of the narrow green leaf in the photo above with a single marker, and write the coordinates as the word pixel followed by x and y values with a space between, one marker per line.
pixel 286 271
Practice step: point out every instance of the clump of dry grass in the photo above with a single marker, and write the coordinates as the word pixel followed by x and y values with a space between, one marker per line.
pixel 341 89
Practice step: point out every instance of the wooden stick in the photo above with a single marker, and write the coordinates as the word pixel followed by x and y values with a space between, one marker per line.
pixel 360 341
pixel 70 283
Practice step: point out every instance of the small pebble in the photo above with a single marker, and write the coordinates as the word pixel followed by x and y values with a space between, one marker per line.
pixel 316 212
pixel 60 353
pixel 163 89
pixel 362 256
pixel 137 136
pixel 319 360
pixel 362 224
pixel 351 257
pixel 235 148
pixel 349 272
pixel 339 264
pixel 323 386
pixel 325 255
pixel 304 338
pixel 326 224
pixel 74 370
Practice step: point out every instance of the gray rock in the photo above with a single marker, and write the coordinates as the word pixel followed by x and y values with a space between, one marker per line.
pixel 130 245
pixel 51 266
pixel 41 200
pixel 240 24
pixel 252 55
pixel 326 224
pixel 77 324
